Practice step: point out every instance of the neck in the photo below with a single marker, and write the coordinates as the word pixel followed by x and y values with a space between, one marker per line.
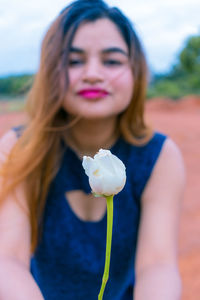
pixel 87 136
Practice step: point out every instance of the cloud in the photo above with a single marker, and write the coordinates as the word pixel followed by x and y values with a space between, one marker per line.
pixel 162 25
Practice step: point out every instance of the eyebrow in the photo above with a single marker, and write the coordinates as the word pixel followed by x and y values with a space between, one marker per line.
pixel 104 51
pixel 115 50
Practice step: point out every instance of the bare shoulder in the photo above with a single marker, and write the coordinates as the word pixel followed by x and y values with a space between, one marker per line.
pixel 169 171
pixel 7 141
pixel 170 152
pixel 171 159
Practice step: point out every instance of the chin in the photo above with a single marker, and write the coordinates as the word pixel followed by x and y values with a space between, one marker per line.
pixel 98 114
pixel 95 117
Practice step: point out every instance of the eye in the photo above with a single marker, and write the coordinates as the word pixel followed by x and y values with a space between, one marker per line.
pixel 75 62
pixel 112 62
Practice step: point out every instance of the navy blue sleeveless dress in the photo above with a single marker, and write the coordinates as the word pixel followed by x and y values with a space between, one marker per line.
pixel 68 263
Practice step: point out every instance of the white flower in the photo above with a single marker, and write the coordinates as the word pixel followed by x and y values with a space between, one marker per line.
pixel 106 172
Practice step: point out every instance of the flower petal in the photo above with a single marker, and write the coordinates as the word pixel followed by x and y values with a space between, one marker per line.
pixel 106 172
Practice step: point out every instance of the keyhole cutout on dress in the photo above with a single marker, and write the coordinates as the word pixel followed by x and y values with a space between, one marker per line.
pixel 86 206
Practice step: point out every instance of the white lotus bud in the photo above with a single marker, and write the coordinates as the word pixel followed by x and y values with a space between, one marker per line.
pixel 106 172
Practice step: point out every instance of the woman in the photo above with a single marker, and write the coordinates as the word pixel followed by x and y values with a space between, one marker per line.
pixel 88 94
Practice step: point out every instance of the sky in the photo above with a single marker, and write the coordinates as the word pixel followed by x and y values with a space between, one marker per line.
pixel 162 25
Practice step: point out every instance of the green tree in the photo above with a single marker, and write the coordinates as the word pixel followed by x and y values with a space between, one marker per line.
pixel 15 85
pixel 190 55
pixel 184 77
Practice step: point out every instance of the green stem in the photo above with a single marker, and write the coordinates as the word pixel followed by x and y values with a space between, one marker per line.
pixel 109 201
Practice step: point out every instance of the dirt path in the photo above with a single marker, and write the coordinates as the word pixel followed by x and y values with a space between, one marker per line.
pixel 181 122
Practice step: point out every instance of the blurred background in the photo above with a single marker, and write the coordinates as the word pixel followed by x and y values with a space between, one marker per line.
pixel 170 34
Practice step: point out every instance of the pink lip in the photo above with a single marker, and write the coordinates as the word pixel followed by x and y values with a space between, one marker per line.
pixel 93 93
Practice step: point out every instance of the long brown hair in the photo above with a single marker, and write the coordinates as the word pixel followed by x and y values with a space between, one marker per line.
pixel 36 156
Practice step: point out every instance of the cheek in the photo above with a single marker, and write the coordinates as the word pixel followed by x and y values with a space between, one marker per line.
pixel 125 85
pixel 74 77
pixel 125 88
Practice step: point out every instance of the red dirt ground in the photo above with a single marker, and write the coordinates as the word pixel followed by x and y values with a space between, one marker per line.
pixel 181 121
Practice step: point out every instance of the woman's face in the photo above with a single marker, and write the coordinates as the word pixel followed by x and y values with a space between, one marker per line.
pixel 100 77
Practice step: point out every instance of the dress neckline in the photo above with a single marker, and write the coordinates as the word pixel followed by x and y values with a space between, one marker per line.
pixel 112 148
pixel 73 158
pixel 80 220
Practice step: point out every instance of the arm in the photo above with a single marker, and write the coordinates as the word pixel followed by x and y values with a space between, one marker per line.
pixel 157 275
pixel 16 282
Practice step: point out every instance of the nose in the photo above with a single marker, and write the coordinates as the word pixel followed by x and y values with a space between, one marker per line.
pixel 93 72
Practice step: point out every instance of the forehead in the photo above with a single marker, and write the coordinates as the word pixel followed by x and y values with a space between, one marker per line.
pixel 101 33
